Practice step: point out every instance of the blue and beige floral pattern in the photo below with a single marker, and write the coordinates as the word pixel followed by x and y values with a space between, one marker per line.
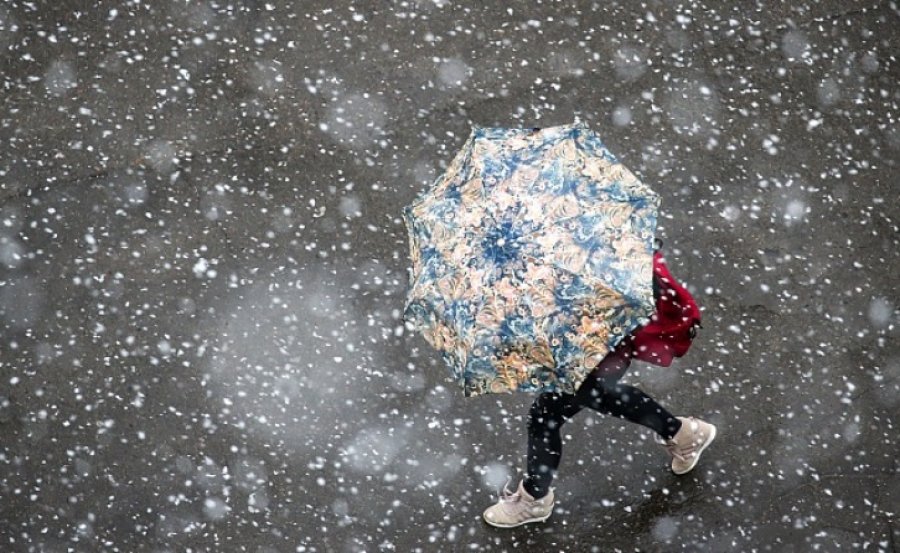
pixel 532 257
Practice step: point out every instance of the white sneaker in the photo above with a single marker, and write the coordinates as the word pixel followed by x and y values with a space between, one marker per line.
pixel 686 446
pixel 518 508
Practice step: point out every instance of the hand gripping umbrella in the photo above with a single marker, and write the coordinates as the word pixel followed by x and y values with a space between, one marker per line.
pixel 532 257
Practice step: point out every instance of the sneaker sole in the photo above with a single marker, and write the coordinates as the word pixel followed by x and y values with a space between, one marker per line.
pixel 497 525
pixel 712 436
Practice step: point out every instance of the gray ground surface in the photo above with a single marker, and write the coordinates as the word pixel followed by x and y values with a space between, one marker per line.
pixel 202 268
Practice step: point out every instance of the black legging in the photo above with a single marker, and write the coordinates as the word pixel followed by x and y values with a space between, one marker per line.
pixel 600 391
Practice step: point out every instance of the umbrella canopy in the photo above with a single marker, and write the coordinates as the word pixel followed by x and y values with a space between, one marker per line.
pixel 532 257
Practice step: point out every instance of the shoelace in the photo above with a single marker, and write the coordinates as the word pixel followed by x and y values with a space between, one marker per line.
pixel 508 496
pixel 672 448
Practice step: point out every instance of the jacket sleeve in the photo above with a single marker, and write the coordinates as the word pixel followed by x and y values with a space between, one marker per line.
pixel 673 327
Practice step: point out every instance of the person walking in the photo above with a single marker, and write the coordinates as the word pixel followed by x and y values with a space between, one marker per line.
pixel 668 335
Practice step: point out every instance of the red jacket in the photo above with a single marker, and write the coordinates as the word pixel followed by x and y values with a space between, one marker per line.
pixel 672 328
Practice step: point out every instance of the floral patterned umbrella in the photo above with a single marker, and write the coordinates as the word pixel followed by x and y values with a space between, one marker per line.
pixel 532 257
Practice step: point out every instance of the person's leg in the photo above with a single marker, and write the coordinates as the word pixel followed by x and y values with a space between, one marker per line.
pixel 547 415
pixel 602 392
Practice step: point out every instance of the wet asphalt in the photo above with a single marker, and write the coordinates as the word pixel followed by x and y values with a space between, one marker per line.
pixel 202 267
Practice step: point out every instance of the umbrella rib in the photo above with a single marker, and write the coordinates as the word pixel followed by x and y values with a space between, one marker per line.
pixel 548 224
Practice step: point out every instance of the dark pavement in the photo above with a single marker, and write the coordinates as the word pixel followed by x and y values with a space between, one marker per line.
pixel 202 268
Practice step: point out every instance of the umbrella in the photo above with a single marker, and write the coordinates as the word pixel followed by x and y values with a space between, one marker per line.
pixel 531 258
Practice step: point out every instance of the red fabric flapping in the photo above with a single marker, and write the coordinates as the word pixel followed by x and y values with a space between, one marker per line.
pixel 672 328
